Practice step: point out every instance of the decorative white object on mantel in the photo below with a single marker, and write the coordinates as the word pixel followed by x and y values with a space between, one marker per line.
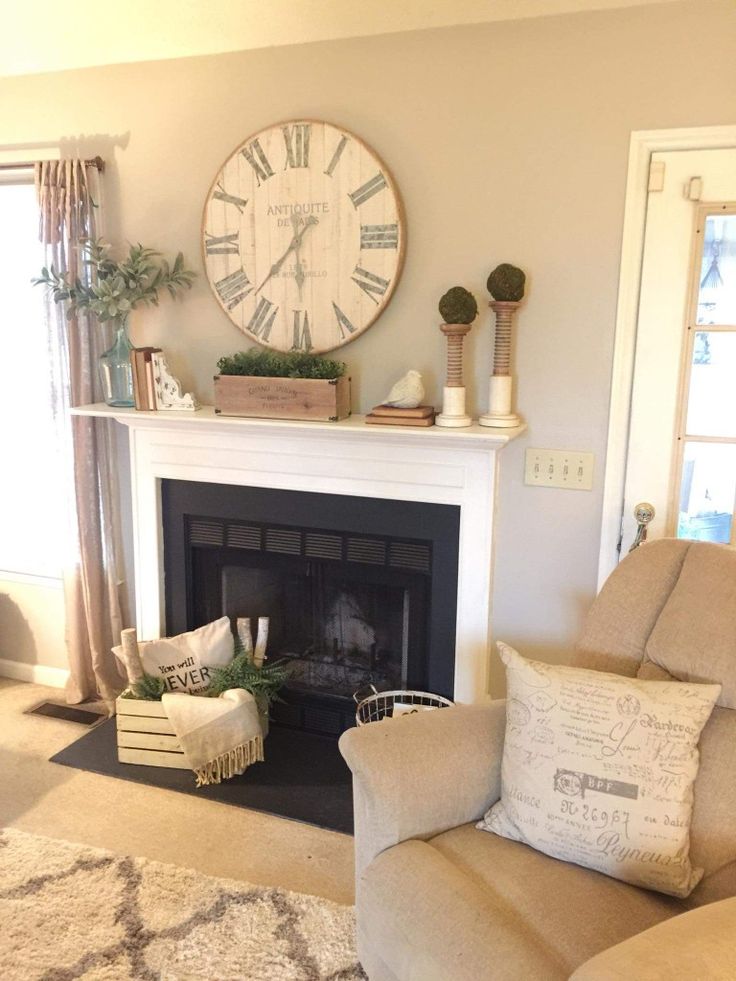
pixel 167 389
pixel 407 392
pixel 506 285
pixel 453 415
pixel 500 384
pixel 435 466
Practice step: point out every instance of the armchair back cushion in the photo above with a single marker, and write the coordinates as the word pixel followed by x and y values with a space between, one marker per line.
pixel 626 610
pixel 694 638
pixel 669 612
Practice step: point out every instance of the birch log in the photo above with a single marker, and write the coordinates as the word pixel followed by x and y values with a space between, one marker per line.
pixel 245 636
pixel 131 654
pixel 261 642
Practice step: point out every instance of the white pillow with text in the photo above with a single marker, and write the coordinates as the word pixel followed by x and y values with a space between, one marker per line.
pixel 598 769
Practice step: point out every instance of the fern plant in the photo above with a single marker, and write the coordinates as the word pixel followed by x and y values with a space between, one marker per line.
pixel 148 687
pixel 263 683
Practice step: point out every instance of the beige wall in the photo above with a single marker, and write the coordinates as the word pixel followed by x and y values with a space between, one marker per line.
pixel 32 624
pixel 509 142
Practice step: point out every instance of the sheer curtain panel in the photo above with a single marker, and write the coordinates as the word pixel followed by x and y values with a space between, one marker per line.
pixel 68 194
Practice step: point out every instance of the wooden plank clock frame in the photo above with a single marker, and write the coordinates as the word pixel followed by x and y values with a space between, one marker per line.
pixel 303 236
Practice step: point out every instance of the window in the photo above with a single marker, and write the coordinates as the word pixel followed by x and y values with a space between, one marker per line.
pixel 32 520
pixel 707 452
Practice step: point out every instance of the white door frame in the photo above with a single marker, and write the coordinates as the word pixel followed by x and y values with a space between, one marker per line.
pixel 643 144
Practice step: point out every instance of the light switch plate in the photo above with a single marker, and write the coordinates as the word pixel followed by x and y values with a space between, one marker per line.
pixel 559 468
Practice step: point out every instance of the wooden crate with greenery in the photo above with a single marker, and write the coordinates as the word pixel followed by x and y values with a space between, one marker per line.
pixel 144 734
pixel 271 386
pixel 146 737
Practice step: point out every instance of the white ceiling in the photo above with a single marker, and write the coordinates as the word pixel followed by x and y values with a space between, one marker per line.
pixel 49 35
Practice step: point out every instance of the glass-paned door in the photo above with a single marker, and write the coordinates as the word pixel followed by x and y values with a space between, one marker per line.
pixel 680 434
pixel 706 454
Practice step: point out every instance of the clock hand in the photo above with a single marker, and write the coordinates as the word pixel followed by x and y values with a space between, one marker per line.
pixel 298 271
pixel 295 243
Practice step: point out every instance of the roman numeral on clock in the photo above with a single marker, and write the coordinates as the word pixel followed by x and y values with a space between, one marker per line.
pixel 261 322
pixel 221 195
pixel 233 289
pixel 222 244
pixel 367 190
pixel 379 236
pixel 296 139
pixel 258 160
pixel 302 334
pixel 342 321
pixel 372 285
pixel 336 156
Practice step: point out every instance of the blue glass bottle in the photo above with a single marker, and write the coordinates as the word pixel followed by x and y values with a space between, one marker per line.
pixel 116 373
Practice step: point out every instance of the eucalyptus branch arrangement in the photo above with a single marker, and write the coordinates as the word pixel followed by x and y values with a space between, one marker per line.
pixel 116 287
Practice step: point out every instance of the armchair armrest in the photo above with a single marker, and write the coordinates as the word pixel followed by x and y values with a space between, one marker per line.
pixel 422 774
pixel 697 944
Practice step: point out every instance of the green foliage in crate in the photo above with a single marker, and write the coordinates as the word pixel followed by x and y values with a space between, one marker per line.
pixel 263 683
pixel 268 364
pixel 149 688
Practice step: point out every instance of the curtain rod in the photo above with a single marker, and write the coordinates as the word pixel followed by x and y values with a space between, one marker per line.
pixel 97 162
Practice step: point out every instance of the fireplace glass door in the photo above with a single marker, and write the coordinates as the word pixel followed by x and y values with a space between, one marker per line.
pixel 359 591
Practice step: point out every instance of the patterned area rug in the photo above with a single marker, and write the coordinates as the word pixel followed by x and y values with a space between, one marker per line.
pixel 68 911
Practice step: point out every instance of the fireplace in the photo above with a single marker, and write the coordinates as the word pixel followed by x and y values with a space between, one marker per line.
pixel 359 591
pixel 454 468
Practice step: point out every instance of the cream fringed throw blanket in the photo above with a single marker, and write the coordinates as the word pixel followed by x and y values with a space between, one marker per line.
pixel 220 737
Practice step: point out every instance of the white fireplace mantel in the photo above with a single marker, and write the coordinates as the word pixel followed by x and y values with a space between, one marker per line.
pixel 433 465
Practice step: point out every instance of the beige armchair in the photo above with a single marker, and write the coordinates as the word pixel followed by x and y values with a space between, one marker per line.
pixel 438 900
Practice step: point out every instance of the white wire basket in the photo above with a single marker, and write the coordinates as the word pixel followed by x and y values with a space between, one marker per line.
pixel 385 704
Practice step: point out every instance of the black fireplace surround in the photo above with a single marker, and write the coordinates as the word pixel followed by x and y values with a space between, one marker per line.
pixel 359 590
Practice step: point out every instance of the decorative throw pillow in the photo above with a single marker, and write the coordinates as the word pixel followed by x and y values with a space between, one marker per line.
pixel 598 769
pixel 185 661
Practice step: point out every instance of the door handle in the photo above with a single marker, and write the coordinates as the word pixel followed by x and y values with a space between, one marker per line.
pixel 643 512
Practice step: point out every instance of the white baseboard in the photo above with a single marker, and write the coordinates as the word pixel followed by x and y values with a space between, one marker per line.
pixel 39 674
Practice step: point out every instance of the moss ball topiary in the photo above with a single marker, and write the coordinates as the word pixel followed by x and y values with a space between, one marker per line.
pixel 458 306
pixel 506 282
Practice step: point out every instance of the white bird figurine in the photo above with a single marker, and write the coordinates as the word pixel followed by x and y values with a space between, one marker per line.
pixel 407 393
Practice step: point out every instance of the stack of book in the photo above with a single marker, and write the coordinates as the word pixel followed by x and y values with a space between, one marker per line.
pixel 141 361
pixel 388 415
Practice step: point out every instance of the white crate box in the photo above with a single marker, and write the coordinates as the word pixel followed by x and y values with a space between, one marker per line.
pixel 145 735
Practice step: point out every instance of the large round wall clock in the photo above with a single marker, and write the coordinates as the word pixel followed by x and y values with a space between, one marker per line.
pixel 303 236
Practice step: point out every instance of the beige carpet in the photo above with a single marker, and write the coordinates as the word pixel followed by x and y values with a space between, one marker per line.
pixel 131 819
pixel 69 911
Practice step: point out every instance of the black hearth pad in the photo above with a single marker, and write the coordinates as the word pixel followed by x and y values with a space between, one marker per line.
pixel 304 778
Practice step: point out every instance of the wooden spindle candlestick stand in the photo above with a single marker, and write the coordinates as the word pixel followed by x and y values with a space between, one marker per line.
pixel 453 415
pixel 500 386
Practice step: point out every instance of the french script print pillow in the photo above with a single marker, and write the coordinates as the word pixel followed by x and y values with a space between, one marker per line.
pixel 599 769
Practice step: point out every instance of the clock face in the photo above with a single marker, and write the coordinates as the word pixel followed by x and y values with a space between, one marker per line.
pixel 303 237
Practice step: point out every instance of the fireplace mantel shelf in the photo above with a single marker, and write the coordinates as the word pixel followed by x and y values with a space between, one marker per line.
pixel 355 426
